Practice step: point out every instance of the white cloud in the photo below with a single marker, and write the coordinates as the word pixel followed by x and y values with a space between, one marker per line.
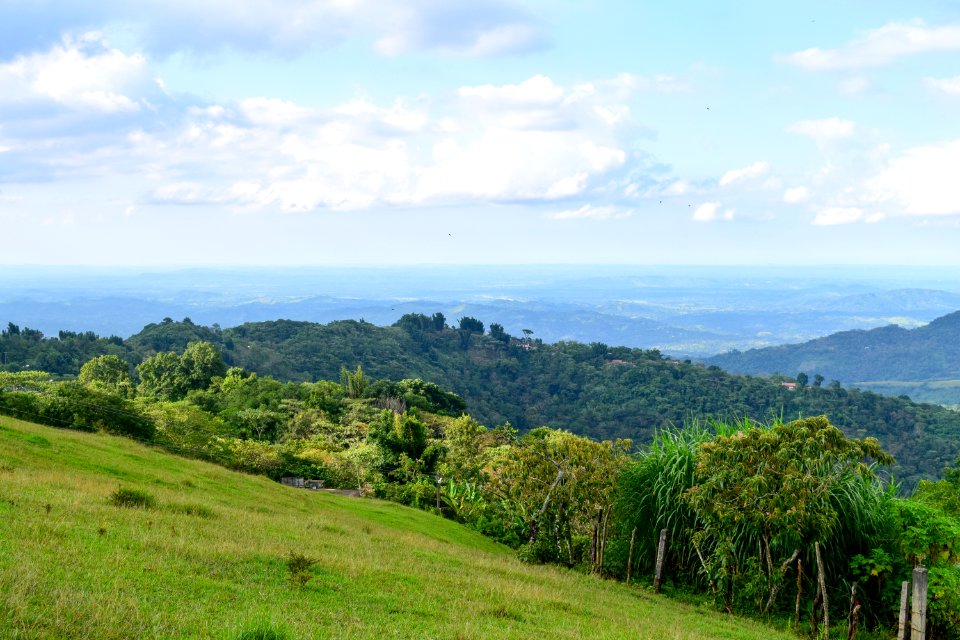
pixel 824 130
pixel 922 181
pixel 949 86
pixel 838 215
pixel 796 195
pixel 737 175
pixel 79 74
pixel 477 28
pixel 361 154
pixel 710 211
pixel 881 46
pixel 592 212
pixel 536 91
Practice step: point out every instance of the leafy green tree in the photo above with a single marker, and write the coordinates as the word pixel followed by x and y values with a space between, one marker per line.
pixel 497 333
pixel 108 372
pixel 471 325
pixel 354 384
pixel 772 489
pixel 167 376
pixel 802 381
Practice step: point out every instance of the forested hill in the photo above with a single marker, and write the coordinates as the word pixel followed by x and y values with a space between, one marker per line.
pixel 891 353
pixel 596 390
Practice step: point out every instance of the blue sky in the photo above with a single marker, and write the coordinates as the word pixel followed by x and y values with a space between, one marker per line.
pixel 492 131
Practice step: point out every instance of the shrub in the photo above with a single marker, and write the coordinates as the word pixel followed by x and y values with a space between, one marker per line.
pixel 132 498
pixel 299 565
pixel 263 633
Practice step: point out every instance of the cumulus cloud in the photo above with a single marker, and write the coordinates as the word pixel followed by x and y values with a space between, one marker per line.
pixel 796 195
pixel 881 46
pixel 824 130
pixel 710 211
pixel 480 144
pixel 746 173
pixel 838 215
pixel 949 86
pixel 479 28
pixel 922 181
pixel 80 74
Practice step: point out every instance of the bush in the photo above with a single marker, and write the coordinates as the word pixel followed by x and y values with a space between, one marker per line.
pixel 263 632
pixel 132 498
pixel 299 565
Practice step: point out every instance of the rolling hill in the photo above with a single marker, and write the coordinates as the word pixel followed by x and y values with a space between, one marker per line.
pixel 211 558
pixel 923 362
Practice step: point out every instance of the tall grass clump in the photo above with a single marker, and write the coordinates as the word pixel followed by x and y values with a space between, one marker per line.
pixel 650 495
pixel 132 498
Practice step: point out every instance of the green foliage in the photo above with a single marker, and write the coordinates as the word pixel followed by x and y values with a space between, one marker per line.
pixel 418 394
pixel 471 325
pixel 168 376
pixel 132 498
pixel 778 489
pixel 108 372
pixel 263 632
pixel 298 568
pixel 354 384
pixel 72 405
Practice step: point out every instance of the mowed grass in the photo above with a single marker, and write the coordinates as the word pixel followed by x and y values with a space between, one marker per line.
pixel 209 560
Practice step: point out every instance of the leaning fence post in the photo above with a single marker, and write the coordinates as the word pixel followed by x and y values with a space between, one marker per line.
pixel 904 599
pixel 918 609
pixel 633 537
pixel 821 579
pixel 661 552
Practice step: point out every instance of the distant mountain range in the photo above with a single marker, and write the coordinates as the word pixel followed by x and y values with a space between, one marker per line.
pixel 923 363
pixel 687 312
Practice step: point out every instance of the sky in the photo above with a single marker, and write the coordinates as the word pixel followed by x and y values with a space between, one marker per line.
pixel 312 132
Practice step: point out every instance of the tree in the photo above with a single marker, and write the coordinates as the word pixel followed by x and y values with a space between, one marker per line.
pixel 439 321
pixel 354 384
pixel 497 333
pixel 107 372
pixel 471 325
pixel 773 490
pixel 818 380
pixel 802 381
pixel 167 376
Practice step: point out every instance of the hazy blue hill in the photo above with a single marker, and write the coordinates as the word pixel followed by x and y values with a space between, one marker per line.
pixel 886 353
pixel 872 359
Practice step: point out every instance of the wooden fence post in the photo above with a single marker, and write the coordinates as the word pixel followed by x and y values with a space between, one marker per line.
pixel 661 552
pixel 633 537
pixel 904 599
pixel 796 614
pixel 821 578
pixel 918 609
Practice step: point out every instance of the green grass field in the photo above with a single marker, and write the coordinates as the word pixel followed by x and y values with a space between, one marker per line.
pixel 209 560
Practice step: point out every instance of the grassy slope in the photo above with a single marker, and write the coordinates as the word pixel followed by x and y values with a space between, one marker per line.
pixel 72 565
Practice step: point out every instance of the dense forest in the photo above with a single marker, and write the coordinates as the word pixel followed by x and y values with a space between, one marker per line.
pixel 595 390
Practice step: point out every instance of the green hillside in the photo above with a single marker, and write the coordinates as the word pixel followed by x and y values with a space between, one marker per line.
pixel 923 363
pixel 595 390
pixel 210 559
